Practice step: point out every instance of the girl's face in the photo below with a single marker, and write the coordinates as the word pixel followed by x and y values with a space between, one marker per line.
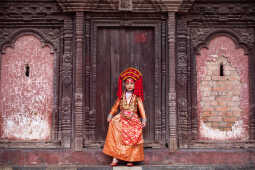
pixel 130 84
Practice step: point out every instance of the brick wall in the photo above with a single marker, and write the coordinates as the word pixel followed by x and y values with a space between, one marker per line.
pixel 222 78
pixel 26 100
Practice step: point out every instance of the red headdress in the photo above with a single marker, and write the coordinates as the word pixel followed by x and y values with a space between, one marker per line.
pixel 136 75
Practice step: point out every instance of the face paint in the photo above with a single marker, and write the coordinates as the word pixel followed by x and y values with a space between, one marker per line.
pixel 130 84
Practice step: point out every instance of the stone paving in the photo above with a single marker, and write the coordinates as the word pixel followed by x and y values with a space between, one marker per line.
pixel 145 167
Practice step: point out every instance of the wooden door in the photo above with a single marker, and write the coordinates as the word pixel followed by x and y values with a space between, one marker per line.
pixel 119 49
pixel 113 50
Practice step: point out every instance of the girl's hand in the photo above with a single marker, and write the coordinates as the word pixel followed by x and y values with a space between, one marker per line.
pixel 109 117
pixel 144 122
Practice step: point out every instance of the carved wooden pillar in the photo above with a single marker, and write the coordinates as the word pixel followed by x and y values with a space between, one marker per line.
pixel 172 90
pixel 66 72
pixel 78 84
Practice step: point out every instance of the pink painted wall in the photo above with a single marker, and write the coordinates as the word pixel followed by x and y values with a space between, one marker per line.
pixel 223 101
pixel 26 102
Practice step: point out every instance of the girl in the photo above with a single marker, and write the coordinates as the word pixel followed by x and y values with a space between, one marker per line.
pixel 124 139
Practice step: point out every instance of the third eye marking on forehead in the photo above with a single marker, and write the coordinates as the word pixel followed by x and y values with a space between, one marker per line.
pixel 129 80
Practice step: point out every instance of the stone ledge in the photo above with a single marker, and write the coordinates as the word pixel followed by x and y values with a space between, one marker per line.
pixel 147 167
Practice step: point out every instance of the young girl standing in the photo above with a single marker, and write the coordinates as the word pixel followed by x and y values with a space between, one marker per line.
pixel 124 139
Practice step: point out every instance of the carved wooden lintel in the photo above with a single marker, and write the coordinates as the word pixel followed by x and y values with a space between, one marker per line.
pixel 125 5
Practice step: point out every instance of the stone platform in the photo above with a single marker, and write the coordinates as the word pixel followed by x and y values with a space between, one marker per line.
pixel 147 167
pixel 158 159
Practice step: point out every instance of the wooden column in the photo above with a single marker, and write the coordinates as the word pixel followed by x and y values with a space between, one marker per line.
pixel 172 90
pixel 66 76
pixel 78 83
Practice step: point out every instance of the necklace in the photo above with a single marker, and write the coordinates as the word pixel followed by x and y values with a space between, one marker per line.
pixel 128 96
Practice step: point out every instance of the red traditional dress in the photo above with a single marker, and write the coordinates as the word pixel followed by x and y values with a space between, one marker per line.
pixel 124 139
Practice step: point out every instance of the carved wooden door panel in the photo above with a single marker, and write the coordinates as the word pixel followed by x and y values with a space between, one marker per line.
pixel 119 49
pixel 113 49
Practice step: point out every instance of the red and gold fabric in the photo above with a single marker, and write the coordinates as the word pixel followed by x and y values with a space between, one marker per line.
pixel 131 132
pixel 124 139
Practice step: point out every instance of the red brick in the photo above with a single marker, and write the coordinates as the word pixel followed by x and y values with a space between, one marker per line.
pixel 236 109
pixel 235 98
pixel 222 124
pixel 206 78
pixel 223 98
pixel 227 114
pixel 230 119
pixel 221 110
pixel 215 119
pixel 238 114
pixel 233 78
pixel 228 128
pixel 223 103
pixel 204 114
pixel 208 109
pixel 214 103
pixel 235 92
pixel 215 124
pixel 204 118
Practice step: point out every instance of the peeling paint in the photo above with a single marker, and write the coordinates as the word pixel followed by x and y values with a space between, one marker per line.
pixel 31 126
pixel 26 102
pixel 237 132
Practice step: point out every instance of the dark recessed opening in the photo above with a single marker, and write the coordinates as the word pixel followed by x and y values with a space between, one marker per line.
pixel 221 70
pixel 27 70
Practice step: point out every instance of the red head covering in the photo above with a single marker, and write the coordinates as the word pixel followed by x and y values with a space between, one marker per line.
pixel 136 75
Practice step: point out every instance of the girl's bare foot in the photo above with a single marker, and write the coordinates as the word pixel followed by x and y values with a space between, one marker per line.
pixel 114 162
pixel 130 164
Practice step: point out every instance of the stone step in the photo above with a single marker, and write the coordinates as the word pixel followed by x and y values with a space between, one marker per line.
pixel 144 167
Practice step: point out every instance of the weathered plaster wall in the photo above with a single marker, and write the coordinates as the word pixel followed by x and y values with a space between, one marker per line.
pixel 223 91
pixel 26 101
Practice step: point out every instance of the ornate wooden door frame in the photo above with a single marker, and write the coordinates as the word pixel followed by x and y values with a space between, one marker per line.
pixel 92 23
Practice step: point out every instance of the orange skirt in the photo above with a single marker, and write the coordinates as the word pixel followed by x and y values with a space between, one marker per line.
pixel 115 147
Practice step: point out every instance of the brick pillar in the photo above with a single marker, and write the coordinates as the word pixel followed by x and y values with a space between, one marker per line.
pixel 172 90
pixel 78 83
